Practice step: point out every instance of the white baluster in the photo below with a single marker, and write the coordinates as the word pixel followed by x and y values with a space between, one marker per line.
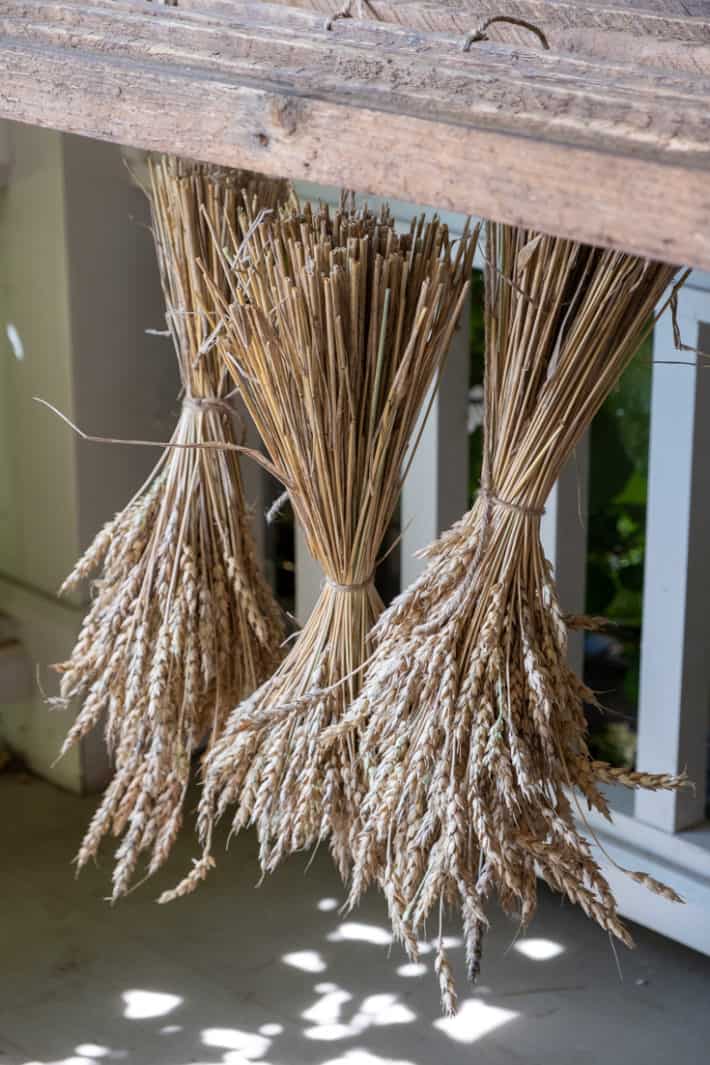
pixel 564 538
pixel 435 492
pixel 309 577
pixel 256 484
pixel 675 663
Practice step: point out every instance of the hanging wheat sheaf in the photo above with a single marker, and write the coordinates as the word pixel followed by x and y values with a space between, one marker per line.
pixel 471 723
pixel 334 347
pixel 181 624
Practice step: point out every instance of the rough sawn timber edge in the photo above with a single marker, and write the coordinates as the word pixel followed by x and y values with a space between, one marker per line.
pixel 608 198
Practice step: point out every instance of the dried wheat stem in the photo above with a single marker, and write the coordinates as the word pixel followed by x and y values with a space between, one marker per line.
pixel 470 722
pixel 181 623
pixel 336 329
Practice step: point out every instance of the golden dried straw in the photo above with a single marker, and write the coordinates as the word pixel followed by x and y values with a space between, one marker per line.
pixel 337 330
pixel 471 723
pixel 182 624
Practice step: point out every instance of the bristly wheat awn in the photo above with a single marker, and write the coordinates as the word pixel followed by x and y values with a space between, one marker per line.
pixel 181 624
pixel 471 724
pixel 337 328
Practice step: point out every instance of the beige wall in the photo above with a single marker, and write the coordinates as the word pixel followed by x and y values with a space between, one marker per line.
pixel 78 289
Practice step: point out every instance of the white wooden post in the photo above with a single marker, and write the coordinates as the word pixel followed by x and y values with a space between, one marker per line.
pixel 78 288
pixel 309 577
pixel 254 479
pixel 564 539
pixel 435 492
pixel 675 663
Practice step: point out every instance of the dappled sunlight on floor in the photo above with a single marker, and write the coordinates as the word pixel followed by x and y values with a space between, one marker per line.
pixel 252 1046
pixel 355 931
pixel 474 1020
pixel 142 1004
pixel 412 968
pixel 326 905
pixel 538 949
pixel 375 1010
pixel 280 976
pixel 308 961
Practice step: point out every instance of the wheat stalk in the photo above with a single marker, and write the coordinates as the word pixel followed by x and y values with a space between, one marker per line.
pixel 181 623
pixel 336 331
pixel 471 723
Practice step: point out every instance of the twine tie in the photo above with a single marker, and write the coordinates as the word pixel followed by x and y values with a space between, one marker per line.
pixel 207 403
pixel 527 509
pixel 350 588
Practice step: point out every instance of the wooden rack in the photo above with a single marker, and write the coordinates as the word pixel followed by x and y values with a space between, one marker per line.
pixel 605 137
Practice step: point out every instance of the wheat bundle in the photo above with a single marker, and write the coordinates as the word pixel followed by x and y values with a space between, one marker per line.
pixel 181 624
pixel 470 720
pixel 344 329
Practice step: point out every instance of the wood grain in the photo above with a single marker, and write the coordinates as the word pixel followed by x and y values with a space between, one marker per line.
pixel 530 92
pixel 613 154
pixel 666 19
pixel 660 34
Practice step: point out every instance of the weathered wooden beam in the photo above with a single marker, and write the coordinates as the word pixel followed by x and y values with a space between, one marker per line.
pixel 663 35
pixel 670 20
pixel 610 154
pixel 529 92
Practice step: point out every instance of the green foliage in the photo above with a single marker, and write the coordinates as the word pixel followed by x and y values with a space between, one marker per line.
pixel 478 330
pixel 617 509
pixel 615 743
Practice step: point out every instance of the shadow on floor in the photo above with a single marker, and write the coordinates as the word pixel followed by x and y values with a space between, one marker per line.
pixel 278 976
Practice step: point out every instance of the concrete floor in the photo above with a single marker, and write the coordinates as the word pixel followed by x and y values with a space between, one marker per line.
pixel 277 976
